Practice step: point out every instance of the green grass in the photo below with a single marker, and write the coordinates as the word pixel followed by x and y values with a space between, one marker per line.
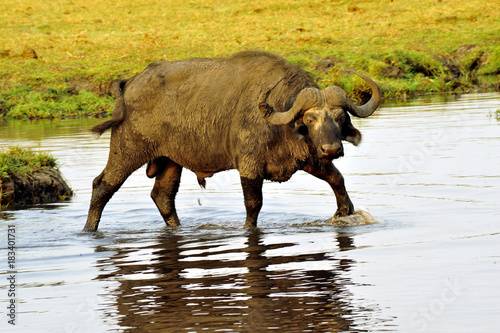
pixel 18 161
pixel 25 102
pixel 409 47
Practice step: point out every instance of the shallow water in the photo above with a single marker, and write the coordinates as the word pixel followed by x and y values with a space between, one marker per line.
pixel 427 171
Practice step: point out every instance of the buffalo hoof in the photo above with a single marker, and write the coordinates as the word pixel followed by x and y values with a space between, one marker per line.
pixel 343 211
pixel 91 225
pixel 172 220
pixel 359 217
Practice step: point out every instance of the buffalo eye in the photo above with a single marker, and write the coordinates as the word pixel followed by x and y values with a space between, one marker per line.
pixel 309 120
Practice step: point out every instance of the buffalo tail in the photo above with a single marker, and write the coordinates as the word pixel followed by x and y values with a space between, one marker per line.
pixel 119 111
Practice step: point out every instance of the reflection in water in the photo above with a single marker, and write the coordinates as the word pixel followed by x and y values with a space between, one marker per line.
pixel 238 284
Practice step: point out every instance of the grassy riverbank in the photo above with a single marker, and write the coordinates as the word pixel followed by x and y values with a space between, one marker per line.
pixel 408 47
pixel 17 161
pixel 19 165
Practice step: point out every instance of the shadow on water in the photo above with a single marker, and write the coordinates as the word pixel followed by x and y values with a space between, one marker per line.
pixel 235 284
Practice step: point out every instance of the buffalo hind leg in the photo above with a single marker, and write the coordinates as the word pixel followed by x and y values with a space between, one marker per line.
pixel 334 178
pixel 165 189
pixel 252 194
pixel 103 188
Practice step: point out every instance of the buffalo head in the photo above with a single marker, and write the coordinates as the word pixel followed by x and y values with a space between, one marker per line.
pixel 321 117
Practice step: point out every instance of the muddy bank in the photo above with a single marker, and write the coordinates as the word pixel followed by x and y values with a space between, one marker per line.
pixel 43 186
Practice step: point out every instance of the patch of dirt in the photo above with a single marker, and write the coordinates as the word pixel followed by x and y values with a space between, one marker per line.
pixel 28 53
pixel 4 53
pixel 99 88
pixel 450 66
pixel 458 69
pixel 464 50
pixel 471 57
pixel 392 71
pixel 328 63
pixel 355 9
pixel 3 109
pixel 497 86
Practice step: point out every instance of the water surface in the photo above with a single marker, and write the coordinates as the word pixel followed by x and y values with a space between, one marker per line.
pixel 428 171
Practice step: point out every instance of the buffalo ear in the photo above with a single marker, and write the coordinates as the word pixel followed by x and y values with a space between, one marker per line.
pixel 351 134
pixel 300 129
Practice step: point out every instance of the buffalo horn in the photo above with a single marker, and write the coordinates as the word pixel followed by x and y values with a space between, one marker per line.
pixel 365 110
pixel 306 99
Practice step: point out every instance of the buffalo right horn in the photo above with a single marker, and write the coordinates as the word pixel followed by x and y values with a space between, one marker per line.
pixel 307 98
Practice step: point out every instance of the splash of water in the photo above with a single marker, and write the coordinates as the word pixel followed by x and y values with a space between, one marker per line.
pixel 360 217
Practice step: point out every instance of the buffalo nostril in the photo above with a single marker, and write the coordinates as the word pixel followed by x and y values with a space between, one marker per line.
pixel 331 151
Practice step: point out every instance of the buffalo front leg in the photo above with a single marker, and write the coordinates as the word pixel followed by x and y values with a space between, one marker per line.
pixel 103 188
pixel 165 189
pixel 334 178
pixel 252 194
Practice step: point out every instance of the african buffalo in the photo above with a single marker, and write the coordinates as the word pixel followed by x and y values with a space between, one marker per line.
pixel 253 111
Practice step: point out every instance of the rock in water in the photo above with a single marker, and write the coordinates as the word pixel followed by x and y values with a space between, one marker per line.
pixel 360 217
pixel 43 186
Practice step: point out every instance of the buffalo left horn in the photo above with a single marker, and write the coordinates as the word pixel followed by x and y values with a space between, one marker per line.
pixel 307 98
